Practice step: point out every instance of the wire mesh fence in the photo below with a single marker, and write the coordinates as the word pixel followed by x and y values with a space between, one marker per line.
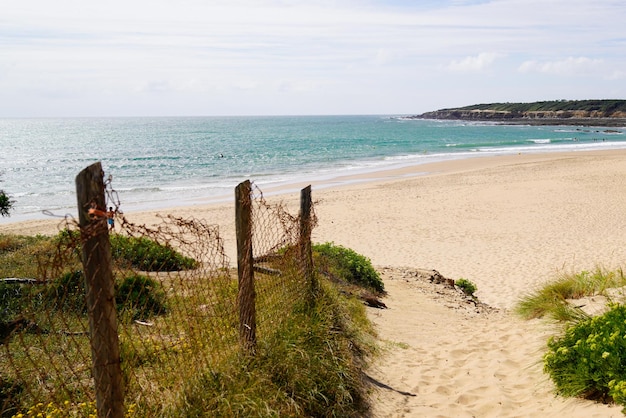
pixel 175 301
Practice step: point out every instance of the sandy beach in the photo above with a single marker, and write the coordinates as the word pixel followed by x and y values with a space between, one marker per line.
pixel 508 224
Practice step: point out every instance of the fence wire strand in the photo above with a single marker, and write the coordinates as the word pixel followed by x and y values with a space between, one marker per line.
pixel 176 304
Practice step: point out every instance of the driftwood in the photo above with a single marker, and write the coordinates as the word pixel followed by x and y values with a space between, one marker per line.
pixel 267 270
pixel 17 280
pixel 267 257
pixel 373 301
pixel 7 329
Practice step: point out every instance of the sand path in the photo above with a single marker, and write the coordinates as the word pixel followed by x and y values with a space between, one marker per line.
pixel 507 224
pixel 443 357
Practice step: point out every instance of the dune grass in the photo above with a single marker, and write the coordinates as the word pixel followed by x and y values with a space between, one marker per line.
pixel 183 358
pixel 311 365
pixel 551 300
pixel 586 359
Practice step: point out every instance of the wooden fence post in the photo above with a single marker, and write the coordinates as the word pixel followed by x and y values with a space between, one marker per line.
pixel 306 253
pixel 99 288
pixel 246 296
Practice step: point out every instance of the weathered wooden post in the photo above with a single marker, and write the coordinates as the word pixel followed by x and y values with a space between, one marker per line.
pixel 306 253
pixel 99 288
pixel 246 296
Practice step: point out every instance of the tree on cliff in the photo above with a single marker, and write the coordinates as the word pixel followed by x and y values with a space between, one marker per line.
pixel 6 204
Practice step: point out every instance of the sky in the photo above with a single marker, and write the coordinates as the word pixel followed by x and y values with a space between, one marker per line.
pixel 77 58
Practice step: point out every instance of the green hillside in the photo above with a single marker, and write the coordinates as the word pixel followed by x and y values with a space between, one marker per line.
pixel 606 107
pixel 569 112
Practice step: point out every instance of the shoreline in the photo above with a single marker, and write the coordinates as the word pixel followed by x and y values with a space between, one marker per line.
pixel 430 215
pixel 358 172
pixel 587 122
pixel 348 182
pixel 508 223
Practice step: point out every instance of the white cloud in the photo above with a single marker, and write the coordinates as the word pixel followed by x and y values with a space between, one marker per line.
pixel 476 63
pixel 568 66
pixel 617 75
pixel 284 52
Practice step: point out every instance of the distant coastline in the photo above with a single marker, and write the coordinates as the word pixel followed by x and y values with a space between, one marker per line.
pixel 560 112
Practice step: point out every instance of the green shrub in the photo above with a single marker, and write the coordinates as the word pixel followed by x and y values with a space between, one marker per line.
pixel 67 292
pixel 6 203
pixel 148 255
pixel 589 360
pixel 466 286
pixel 346 264
pixel 140 296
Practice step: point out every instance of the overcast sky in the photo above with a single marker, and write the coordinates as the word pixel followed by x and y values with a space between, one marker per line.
pixel 282 57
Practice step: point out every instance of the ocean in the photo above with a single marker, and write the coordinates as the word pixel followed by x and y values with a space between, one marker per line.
pixel 164 162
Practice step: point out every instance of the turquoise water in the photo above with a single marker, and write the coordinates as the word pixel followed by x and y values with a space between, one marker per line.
pixel 157 162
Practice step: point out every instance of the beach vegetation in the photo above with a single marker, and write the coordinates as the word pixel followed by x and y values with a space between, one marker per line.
pixel 588 360
pixel 19 254
pixel 6 203
pixel 66 293
pixel 466 286
pixel 553 300
pixel 604 108
pixel 337 261
pixel 309 358
pixel 140 297
pixel 148 255
pixel 588 356
pixel 311 365
pixel 137 297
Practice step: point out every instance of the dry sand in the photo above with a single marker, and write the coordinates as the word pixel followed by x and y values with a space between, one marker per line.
pixel 508 224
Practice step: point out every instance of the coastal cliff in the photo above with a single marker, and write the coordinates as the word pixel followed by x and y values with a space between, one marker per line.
pixel 570 112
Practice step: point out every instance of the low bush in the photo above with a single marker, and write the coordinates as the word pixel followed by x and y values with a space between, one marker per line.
pixel 23 256
pixel 148 255
pixel 340 262
pixel 67 293
pixel 589 359
pixel 140 297
pixel 6 203
pixel 466 286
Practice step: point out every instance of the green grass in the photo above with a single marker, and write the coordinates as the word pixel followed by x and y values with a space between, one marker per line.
pixel 309 366
pixel 588 359
pixel 605 107
pixel 183 358
pixel 345 264
pixel 551 300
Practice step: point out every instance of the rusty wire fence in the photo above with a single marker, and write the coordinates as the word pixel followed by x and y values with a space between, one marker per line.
pixel 120 323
